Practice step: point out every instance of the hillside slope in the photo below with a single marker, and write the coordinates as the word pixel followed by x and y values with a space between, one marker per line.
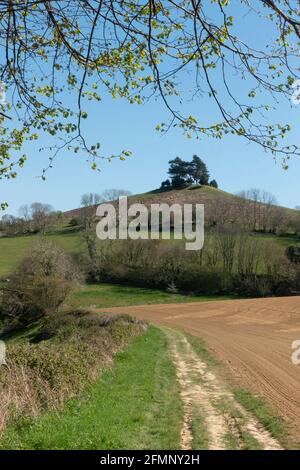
pixel 221 208
pixel 204 195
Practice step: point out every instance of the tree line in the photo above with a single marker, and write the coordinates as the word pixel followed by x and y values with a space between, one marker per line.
pixel 34 218
pixel 39 217
pixel 252 210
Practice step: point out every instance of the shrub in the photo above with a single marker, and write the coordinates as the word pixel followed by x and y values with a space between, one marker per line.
pixel 230 262
pixel 293 254
pixel 74 222
pixel 42 373
pixel 39 286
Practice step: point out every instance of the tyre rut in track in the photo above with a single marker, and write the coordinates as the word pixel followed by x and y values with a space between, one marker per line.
pixel 201 390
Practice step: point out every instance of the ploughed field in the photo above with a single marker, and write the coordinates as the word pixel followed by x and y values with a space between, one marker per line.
pixel 252 337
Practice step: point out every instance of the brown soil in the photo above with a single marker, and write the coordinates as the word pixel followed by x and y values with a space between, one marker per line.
pixel 253 337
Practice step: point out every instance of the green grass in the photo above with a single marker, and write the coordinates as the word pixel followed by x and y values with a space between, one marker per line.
pixel 13 249
pixel 258 406
pixel 253 403
pixel 283 241
pixel 199 431
pixel 248 442
pixel 117 295
pixel 241 438
pixel 202 350
pixel 21 334
pixel 136 405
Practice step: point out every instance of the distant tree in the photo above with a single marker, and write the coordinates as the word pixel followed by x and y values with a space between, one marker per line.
pixel 25 212
pixel 178 182
pixel 114 194
pixel 90 199
pixel 8 219
pixel 88 211
pixel 293 254
pixel 183 172
pixel 260 211
pixel 166 184
pixel 34 218
pixel 199 171
pixel 177 167
pixel 214 184
pixel 8 225
pixel 25 219
pixel 75 221
pixel 87 220
pixel 180 172
pixel 40 216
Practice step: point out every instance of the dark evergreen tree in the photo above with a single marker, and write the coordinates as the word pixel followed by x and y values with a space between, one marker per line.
pixel 199 171
pixel 178 168
pixel 178 182
pixel 180 172
pixel 166 184
pixel 183 173
pixel 214 184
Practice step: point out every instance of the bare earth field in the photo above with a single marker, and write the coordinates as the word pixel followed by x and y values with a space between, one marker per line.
pixel 252 337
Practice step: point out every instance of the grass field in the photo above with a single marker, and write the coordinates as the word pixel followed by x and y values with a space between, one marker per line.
pixel 12 249
pixel 283 241
pixel 136 405
pixel 116 295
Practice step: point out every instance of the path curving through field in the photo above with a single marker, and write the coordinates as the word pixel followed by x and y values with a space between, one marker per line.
pixel 252 337
pixel 202 393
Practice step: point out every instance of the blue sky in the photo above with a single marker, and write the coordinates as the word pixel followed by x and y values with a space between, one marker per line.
pixel 117 125
pixel 232 162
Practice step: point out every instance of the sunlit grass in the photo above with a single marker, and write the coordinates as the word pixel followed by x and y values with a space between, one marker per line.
pixel 117 295
pixel 135 405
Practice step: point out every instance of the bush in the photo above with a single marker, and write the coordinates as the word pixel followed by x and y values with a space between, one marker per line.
pixel 230 262
pixel 67 352
pixel 74 222
pixel 39 286
pixel 293 254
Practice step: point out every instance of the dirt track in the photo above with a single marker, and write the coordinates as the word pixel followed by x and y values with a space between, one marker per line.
pixel 253 337
pixel 202 394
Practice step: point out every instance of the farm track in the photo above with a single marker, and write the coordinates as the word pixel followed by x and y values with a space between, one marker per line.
pixel 203 394
pixel 252 337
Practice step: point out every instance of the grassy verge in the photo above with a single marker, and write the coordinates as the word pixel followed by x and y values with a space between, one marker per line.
pixel 267 416
pixel 202 350
pixel 239 438
pixel 255 404
pixel 117 295
pixel 136 405
pixel 57 360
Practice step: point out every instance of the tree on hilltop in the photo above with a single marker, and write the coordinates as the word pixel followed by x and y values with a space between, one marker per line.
pixel 199 171
pixel 214 184
pixel 184 173
pixel 178 172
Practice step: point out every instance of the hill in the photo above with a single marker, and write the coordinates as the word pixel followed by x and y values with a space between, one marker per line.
pixel 221 209
pixel 203 195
